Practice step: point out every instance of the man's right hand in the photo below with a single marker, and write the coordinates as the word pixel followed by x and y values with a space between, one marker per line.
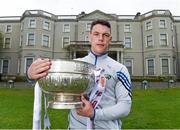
pixel 38 69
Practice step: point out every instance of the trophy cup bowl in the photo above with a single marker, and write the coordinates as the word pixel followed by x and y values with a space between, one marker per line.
pixel 66 81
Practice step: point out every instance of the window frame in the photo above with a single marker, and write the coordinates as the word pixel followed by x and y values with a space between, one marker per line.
pixel 147 66
pixel 131 67
pixel 168 66
pixel 149 41
pixel 25 63
pixel 44 40
pixel 2 66
pixel 127 27
pixel 63 38
pixel 162 25
pixel 32 23
pixel 5 42
pixel 46 25
pixel 125 38
pixel 88 27
pixel 66 29
pixel 166 38
pixel 28 39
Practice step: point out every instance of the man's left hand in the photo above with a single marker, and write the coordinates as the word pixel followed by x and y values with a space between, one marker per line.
pixel 86 110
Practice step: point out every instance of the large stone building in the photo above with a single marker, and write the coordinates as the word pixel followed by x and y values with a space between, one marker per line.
pixel 148 44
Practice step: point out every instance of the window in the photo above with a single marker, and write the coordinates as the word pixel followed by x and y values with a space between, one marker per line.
pixel 128 64
pixel 28 62
pixel 128 42
pixel 8 29
pixel 7 43
pixel 163 39
pixel 66 41
pixel 149 41
pixel 127 28
pixel 4 64
pixel 30 39
pixel 148 25
pixel 32 23
pixel 88 26
pixel 165 66
pixel 45 41
pixel 66 28
pixel 162 24
pixel 46 25
pixel 150 66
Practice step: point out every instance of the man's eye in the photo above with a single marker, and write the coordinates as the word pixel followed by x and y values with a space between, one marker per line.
pixel 107 35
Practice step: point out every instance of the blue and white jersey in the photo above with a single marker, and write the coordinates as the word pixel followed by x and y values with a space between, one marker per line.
pixel 116 100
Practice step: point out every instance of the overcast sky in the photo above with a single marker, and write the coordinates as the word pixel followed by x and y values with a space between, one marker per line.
pixel 66 7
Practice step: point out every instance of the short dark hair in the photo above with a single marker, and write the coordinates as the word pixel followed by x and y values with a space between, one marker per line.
pixel 100 21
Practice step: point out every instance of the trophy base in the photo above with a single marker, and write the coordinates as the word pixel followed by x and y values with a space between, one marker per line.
pixel 64 101
pixel 64 105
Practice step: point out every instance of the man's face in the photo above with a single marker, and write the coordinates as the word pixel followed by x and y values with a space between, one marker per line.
pixel 100 38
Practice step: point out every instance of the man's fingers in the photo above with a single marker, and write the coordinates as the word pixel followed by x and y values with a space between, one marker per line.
pixel 42 69
pixel 38 76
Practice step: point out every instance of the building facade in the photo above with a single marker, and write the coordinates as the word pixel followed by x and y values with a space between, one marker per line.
pixel 148 44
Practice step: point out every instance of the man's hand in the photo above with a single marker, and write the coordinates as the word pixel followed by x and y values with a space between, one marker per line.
pixel 38 69
pixel 87 109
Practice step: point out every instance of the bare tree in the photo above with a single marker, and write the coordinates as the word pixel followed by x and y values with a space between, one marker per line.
pixel 1 39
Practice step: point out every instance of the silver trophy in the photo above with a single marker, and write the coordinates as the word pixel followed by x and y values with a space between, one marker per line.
pixel 66 81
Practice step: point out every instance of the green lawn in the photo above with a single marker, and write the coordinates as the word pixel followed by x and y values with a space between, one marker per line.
pixel 151 109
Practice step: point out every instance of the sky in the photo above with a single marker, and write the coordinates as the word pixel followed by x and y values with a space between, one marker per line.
pixel 74 7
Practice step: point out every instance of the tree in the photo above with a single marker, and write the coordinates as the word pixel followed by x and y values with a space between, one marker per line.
pixel 1 39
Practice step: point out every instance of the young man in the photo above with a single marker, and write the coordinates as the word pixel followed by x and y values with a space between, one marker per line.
pixel 116 98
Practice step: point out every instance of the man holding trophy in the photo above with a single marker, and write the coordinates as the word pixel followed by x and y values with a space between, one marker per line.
pixel 111 98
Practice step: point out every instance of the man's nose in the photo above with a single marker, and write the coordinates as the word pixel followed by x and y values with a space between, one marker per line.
pixel 101 37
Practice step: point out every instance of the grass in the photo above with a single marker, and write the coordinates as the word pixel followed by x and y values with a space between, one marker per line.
pixel 151 109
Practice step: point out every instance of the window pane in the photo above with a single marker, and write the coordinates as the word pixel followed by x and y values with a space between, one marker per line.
pixel 163 39
pixel 31 39
pixel 149 41
pixel 32 23
pixel 128 64
pixel 88 26
pixel 7 43
pixel 127 42
pixel 65 41
pixel 5 66
pixel 148 25
pixel 28 62
pixel 46 25
pixel 66 28
pixel 162 23
pixel 150 67
pixel 45 40
pixel 127 28
pixel 165 67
